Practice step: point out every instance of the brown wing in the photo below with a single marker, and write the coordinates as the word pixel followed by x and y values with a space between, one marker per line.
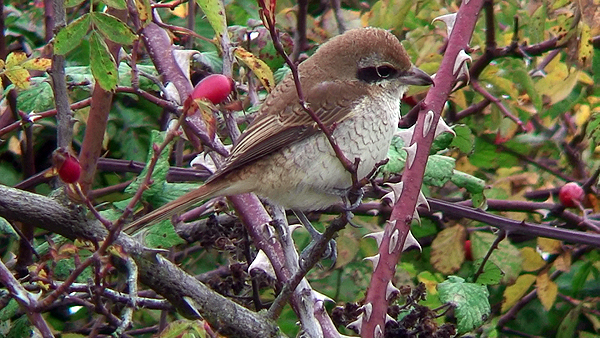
pixel 282 121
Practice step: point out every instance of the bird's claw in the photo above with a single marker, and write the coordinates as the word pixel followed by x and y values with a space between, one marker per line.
pixel 348 206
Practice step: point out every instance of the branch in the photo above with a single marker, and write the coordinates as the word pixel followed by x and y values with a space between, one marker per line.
pixel 180 288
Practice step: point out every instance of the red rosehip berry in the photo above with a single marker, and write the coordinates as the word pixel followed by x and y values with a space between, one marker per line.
pixel 215 88
pixel 68 167
pixel 468 253
pixel 571 195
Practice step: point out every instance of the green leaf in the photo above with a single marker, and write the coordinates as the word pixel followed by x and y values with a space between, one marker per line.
pixel 463 139
pixel 596 65
pixel 215 14
pixel 507 256
pixel 441 142
pixel 113 29
pixel 593 129
pixel 9 310
pixel 117 4
pixel 37 98
pixel 439 170
pixel 486 156
pixel 102 63
pixel 7 229
pixel 473 184
pixel 491 275
pixel 470 301
pixel 569 323
pixel 71 35
pixel 161 235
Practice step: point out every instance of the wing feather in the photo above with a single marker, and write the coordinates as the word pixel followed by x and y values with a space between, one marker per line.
pixel 278 124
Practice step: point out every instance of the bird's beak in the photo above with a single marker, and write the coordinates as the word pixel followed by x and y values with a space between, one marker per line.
pixel 415 76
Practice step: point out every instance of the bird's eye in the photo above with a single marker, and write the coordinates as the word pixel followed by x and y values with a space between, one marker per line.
pixel 385 71
pixel 375 74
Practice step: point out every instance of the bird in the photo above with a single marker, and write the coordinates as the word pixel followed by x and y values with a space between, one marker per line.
pixel 354 83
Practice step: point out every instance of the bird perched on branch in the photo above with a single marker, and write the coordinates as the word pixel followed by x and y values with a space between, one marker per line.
pixel 354 84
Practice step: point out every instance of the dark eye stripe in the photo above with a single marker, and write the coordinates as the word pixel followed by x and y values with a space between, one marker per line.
pixel 375 74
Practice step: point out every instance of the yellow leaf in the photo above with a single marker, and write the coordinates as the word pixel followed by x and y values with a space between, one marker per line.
pixel 551 246
pixel 14 59
pixel 19 76
pixel 258 67
pixel 515 292
pixel 37 64
pixel 558 83
pixel 430 282
pixel 546 290
pixel 1 64
pixel 586 49
pixel 447 249
pixel 181 10
pixel 532 260
pixel 144 11
pixel 563 262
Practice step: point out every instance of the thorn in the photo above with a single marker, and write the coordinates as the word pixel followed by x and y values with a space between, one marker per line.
pixel 390 290
pixel 442 127
pixel 406 134
pixel 378 332
pixel 367 310
pixel 389 318
pixel 411 153
pixel 410 242
pixel 262 262
pixel 377 236
pixel 461 59
pixel 397 189
pixel 448 19
pixel 393 241
pixel 374 260
pixel 357 324
pixel 422 200
pixel 428 122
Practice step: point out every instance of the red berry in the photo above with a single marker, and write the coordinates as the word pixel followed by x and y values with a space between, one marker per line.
pixel 70 169
pixel 468 254
pixel 215 88
pixel 571 195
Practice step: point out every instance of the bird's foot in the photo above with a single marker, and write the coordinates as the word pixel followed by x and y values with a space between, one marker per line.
pixel 331 250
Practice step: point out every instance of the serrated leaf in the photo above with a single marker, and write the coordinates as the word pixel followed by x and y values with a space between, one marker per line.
pixel 447 249
pixel 113 29
pixel 102 63
pixel 37 98
pixel 71 35
pixel 547 290
pixel 507 256
pixel 117 4
pixel 215 14
pixel 515 292
pixel 258 67
pixel 463 139
pixel 532 260
pixel 470 301
pixel 439 170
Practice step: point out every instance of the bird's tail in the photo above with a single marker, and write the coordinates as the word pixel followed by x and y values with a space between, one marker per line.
pixel 208 190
